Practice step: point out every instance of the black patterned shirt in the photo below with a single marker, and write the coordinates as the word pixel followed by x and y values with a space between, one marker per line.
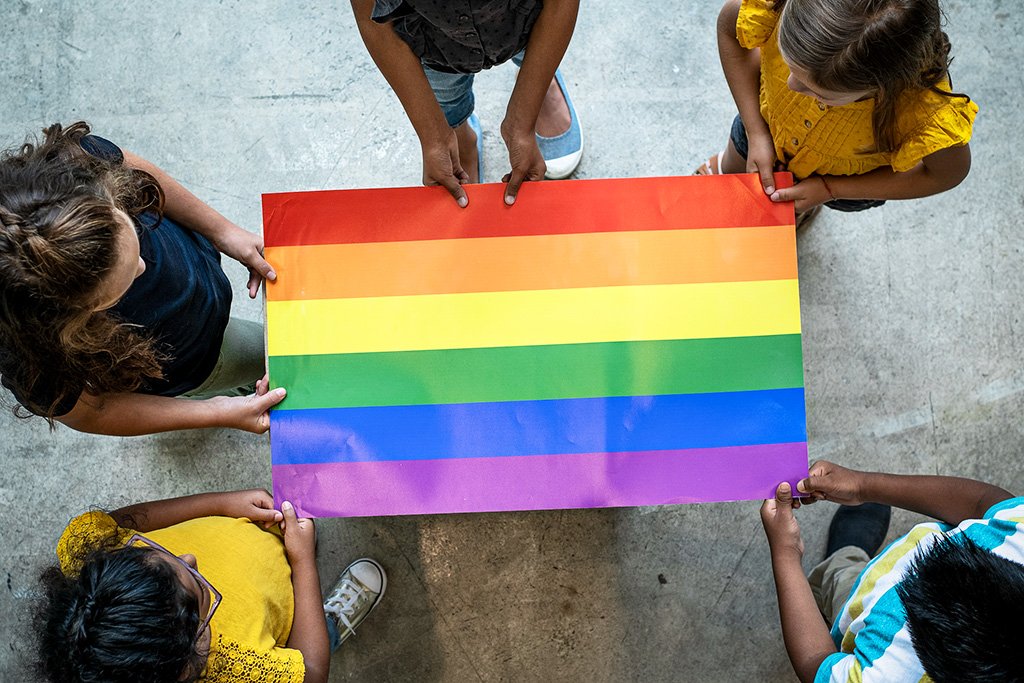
pixel 460 36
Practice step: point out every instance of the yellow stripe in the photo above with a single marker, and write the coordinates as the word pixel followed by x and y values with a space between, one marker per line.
pixel 880 569
pixel 885 566
pixel 525 318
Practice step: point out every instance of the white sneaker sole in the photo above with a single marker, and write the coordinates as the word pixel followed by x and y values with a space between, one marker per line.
pixel 563 167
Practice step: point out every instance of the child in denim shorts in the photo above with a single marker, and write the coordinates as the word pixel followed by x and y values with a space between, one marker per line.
pixel 429 52
pixel 856 104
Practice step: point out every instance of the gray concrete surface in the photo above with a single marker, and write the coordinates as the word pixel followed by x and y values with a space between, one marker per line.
pixel 912 326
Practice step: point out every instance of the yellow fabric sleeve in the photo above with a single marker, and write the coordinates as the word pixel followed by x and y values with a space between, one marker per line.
pixel 87 532
pixel 949 126
pixel 231 661
pixel 755 23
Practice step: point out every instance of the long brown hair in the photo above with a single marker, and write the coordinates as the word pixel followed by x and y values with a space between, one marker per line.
pixel 58 242
pixel 889 47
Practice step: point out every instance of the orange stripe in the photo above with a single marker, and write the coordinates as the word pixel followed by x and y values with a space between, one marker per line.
pixel 496 264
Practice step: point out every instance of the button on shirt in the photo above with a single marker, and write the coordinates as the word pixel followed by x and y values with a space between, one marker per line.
pixel 460 36
pixel 814 138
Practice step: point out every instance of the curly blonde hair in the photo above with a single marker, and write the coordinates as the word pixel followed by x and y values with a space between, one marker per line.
pixel 58 242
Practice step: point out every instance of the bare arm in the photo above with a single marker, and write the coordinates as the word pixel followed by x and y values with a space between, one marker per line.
pixel 807 639
pixel 403 71
pixel 548 41
pixel 184 207
pixel 937 172
pixel 309 627
pixel 804 632
pixel 742 68
pixel 255 504
pixel 950 499
pixel 131 414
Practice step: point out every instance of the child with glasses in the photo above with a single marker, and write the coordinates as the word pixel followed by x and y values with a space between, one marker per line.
pixel 211 587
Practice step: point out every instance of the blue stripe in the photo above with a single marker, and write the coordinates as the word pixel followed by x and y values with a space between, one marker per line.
pixel 824 674
pixel 993 533
pixel 837 635
pixel 887 617
pixel 582 425
pixel 1007 504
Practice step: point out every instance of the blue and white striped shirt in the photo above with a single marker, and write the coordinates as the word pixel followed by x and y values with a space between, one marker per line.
pixel 871 631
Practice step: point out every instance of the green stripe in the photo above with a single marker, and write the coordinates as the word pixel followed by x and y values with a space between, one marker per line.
pixel 529 373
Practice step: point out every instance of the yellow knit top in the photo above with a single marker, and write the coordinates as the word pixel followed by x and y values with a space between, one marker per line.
pixel 813 138
pixel 246 564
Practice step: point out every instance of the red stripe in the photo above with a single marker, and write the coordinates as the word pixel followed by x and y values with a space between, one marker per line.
pixel 544 208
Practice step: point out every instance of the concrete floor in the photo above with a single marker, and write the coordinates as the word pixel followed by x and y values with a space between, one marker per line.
pixel 912 326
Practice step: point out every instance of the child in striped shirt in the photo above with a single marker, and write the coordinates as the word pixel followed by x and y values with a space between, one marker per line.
pixel 941 603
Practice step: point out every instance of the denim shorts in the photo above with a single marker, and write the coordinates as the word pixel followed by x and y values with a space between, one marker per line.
pixel 738 135
pixel 454 92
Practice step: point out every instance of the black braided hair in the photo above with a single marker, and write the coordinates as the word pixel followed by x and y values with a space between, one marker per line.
pixel 124 617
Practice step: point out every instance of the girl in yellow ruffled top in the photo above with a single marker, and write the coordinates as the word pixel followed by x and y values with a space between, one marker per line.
pixel 851 96
pixel 221 587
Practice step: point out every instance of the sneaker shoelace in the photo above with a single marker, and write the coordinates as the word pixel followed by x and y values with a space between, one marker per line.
pixel 344 601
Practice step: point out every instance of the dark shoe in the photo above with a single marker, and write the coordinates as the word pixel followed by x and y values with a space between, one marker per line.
pixel 864 526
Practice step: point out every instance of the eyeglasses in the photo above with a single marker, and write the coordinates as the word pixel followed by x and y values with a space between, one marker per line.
pixel 213 594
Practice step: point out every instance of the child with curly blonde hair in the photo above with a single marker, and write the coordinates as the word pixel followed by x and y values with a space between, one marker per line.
pixel 112 297
pixel 852 97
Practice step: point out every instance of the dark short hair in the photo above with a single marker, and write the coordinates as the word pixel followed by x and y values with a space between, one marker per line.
pixel 124 617
pixel 964 607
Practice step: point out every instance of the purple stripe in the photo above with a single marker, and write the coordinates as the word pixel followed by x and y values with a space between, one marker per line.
pixel 539 482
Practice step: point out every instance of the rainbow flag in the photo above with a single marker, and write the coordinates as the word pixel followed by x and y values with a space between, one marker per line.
pixel 601 343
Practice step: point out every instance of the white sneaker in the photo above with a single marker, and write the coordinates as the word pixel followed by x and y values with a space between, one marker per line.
pixel 357 592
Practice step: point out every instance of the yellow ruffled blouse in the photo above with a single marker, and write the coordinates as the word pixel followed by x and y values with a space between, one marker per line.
pixel 815 139
pixel 246 564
